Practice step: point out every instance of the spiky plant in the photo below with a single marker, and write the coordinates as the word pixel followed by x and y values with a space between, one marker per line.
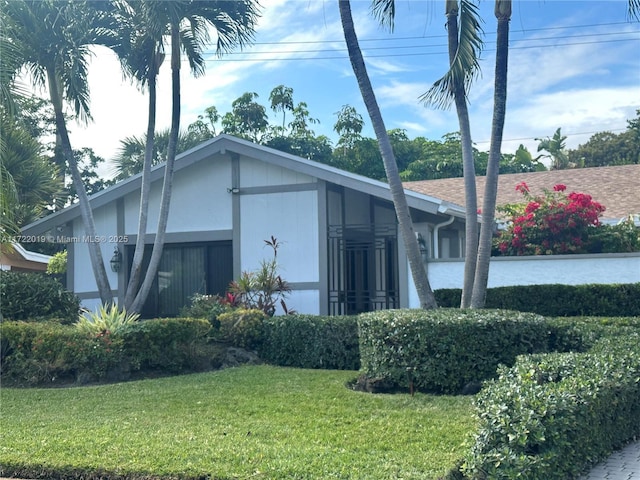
pixel 106 319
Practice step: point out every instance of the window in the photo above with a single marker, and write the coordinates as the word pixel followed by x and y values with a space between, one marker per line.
pixel 186 269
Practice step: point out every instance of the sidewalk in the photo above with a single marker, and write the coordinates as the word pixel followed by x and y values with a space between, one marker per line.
pixel 621 465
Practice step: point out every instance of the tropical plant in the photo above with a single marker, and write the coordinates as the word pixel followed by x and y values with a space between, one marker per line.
pixel 247 119
pixel 556 150
pixel 503 14
pixel 53 39
pixel 385 11
pixel 552 223
pixel 58 263
pixel 465 45
pixel 109 319
pixel 187 25
pixel 263 289
pixel 281 99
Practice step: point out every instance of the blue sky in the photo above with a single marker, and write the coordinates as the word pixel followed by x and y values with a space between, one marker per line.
pixel 573 64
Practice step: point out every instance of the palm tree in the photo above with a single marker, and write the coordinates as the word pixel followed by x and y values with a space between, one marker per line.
pixel 188 23
pixel 503 14
pixel 33 176
pixel 140 49
pixel 54 38
pixel 385 13
pixel 464 50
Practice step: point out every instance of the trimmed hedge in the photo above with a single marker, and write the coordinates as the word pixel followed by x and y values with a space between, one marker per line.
pixel 172 345
pixel 552 416
pixel 444 350
pixel 622 300
pixel 242 328
pixel 36 297
pixel 311 341
pixel 49 353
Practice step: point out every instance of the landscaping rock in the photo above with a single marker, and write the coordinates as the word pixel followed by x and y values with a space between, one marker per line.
pixel 234 357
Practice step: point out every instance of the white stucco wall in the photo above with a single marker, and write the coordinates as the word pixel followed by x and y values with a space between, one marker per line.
pixel 199 200
pixel 291 217
pixel 105 222
pixel 538 270
pixel 256 173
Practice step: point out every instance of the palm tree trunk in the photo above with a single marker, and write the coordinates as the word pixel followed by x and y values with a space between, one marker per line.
pixel 471 202
pixel 138 255
pixel 167 185
pixel 503 14
pixel 95 253
pixel 425 294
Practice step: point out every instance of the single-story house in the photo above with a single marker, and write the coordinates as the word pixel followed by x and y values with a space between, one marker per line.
pixel 341 250
pixel 617 187
pixel 16 258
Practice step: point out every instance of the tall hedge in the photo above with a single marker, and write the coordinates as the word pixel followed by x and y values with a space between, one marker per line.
pixel 621 300
pixel 444 350
pixel 553 416
pixel 311 341
pixel 35 296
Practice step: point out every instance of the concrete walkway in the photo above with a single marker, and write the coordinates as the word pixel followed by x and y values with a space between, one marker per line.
pixel 621 465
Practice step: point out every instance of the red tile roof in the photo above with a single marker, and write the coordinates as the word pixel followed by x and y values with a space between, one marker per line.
pixel 617 188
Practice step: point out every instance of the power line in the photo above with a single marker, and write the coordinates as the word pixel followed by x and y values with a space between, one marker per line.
pixel 417 37
pixel 342 57
pixel 245 56
pixel 397 47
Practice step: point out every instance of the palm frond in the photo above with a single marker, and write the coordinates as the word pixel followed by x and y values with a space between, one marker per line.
pixel 385 12
pixel 634 9
pixel 465 66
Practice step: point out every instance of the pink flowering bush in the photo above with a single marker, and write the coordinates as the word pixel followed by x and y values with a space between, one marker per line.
pixel 552 223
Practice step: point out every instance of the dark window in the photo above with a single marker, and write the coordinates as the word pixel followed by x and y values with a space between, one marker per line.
pixel 186 269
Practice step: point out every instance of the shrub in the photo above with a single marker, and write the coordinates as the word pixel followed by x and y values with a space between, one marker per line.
pixel 263 289
pixel 444 350
pixel 621 300
pixel 206 306
pixel 168 344
pixel 33 296
pixel 49 353
pixel 554 415
pixel 58 263
pixel 311 341
pixel 549 224
pixel 243 328
pixel 111 320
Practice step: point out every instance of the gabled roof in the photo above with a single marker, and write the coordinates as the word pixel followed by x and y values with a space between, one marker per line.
pixel 14 256
pixel 226 143
pixel 617 188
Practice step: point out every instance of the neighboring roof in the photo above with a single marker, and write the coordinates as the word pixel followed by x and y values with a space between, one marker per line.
pixel 227 143
pixel 17 257
pixel 617 188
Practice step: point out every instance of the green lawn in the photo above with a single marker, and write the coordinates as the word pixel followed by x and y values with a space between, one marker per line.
pixel 252 422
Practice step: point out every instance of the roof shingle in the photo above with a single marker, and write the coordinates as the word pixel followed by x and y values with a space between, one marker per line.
pixel 617 188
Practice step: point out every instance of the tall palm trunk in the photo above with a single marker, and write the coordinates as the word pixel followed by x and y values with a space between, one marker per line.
pixel 425 294
pixel 468 166
pixel 167 185
pixel 95 253
pixel 503 14
pixel 138 255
